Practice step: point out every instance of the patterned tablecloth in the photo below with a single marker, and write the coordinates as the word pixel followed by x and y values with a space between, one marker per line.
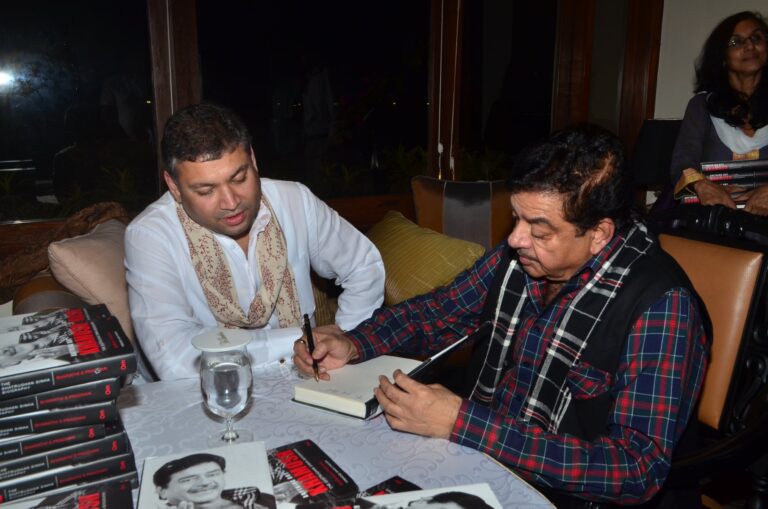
pixel 169 417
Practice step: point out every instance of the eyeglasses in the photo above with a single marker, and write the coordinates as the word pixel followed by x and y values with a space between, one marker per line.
pixel 738 42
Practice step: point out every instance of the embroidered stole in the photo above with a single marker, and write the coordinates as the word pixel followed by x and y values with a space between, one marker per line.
pixel 277 292
pixel 549 397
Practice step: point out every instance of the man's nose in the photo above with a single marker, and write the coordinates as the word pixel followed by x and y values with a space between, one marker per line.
pixel 520 236
pixel 229 199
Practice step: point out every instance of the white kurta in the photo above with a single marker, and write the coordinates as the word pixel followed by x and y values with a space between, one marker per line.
pixel 168 306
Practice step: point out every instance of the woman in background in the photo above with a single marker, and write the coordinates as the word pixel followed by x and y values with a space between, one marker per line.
pixel 727 118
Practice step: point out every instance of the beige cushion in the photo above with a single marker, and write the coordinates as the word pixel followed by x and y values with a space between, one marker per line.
pixel 91 266
pixel 418 259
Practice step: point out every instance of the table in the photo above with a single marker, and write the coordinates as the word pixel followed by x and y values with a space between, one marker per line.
pixel 169 417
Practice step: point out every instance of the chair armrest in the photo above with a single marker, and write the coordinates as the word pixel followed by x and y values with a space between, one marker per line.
pixel 44 293
pixel 726 455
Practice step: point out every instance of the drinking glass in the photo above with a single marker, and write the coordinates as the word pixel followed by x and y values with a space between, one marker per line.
pixel 225 380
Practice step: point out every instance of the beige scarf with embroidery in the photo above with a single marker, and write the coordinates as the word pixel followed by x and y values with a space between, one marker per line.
pixel 277 293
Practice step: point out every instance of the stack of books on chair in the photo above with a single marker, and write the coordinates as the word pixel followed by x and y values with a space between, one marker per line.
pixel 60 431
pixel 736 175
pixel 299 475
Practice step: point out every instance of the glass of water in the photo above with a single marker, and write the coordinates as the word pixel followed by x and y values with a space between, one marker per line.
pixel 225 380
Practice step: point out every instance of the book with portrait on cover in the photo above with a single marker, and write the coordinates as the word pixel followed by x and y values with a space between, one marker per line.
pixel 235 474
pixel 350 389
pixel 303 473
pixel 63 348
pixel 476 496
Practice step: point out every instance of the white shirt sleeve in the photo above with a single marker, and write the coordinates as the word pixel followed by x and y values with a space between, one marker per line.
pixel 340 252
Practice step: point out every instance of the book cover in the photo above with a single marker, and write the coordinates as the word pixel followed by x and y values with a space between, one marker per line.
pixel 110 445
pixel 394 484
pixel 71 353
pixel 91 392
pixel 222 476
pixel 32 324
pixel 19 446
pixel 110 493
pixel 47 420
pixel 34 484
pixel 303 473
pixel 350 389
pixel 476 496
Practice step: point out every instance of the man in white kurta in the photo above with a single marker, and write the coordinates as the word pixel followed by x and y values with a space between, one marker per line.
pixel 221 192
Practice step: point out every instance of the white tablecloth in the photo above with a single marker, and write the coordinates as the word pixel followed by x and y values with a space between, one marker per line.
pixel 169 417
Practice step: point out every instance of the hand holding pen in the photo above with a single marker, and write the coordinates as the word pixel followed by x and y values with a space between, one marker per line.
pixel 311 345
pixel 331 349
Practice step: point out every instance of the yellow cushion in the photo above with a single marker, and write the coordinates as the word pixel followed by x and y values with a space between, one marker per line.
pixel 418 259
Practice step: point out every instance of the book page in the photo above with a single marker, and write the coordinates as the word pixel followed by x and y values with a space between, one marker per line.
pixel 352 386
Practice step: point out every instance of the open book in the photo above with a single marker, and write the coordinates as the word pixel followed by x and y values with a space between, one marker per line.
pixel 350 389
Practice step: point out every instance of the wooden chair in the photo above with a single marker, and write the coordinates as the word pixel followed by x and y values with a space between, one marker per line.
pixel 730 277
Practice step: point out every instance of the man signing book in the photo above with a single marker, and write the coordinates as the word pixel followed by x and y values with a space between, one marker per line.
pixel 598 349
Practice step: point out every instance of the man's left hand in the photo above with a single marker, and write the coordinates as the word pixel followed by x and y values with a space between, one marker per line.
pixel 757 201
pixel 428 410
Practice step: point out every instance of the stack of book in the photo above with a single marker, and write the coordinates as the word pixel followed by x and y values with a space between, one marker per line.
pixel 299 475
pixel 60 431
pixel 737 176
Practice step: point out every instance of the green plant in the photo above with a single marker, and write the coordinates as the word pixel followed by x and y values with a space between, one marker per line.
pixel 401 165
pixel 482 165
pixel 6 184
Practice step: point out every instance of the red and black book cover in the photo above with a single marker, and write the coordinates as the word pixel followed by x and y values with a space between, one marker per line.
pixel 302 472
pixel 31 485
pixel 111 493
pixel 110 445
pixel 395 484
pixel 91 392
pixel 47 420
pixel 83 348
pixel 18 447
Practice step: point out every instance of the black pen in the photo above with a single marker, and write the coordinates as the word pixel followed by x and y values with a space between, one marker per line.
pixel 311 345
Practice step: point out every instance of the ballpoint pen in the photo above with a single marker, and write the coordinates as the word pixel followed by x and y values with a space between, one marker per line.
pixel 311 345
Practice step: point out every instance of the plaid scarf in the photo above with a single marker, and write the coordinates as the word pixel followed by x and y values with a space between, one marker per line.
pixel 549 397
pixel 277 292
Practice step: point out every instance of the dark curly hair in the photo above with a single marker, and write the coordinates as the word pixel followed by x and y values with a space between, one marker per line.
pixel 712 77
pixel 162 475
pixel 201 132
pixel 585 163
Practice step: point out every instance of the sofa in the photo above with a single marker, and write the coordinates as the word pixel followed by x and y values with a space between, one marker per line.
pixel 88 268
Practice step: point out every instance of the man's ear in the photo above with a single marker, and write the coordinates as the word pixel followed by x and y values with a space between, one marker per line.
pixel 172 187
pixel 602 234
pixel 253 160
pixel 160 492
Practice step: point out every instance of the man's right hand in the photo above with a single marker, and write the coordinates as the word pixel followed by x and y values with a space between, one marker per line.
pixel 710 193
pixel 333 349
